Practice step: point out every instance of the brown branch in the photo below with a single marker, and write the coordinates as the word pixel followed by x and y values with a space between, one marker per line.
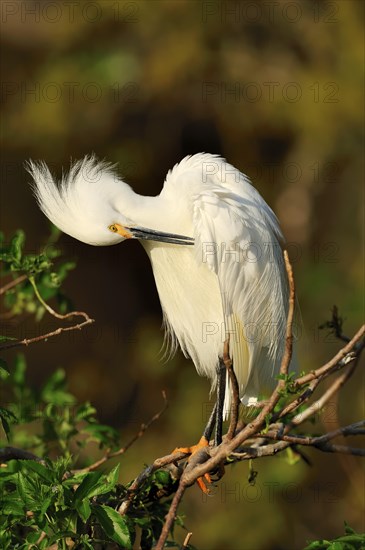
pixel 343 449
pixel 344 357
pixel 12 283
pixel 248 453
pixel 186 541
pixel 345 354
pixel 357 428
pixel 161 462
pixel 171 515
pixel 27 341
pixel 325 397
pixel 256 449
pixel 108 455
pixel 336 325
pixel 51 311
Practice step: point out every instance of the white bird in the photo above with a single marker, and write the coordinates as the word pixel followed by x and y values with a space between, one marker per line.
pixel 215 249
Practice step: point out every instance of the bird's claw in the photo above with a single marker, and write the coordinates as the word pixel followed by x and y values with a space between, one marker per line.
pixel 203 480
pixel 202 485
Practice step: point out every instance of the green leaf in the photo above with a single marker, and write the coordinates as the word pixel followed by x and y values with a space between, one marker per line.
pixel 4 373
pixel 11 505
pixel 348 529
pixel 19 370
pixel 54 390
pixel 318 545
pixel 101 434
pixel 84 510
pixel 114 525
pixel 161 478
pixel 6 338
pixel 17 244
pixel 113 477
pixel 45 505
pixel 7 417
pixel 45 473
pixel 89 487
pixel 26 489
pixel 96 483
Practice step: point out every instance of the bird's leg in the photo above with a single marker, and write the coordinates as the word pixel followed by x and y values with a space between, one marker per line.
pixel 208 430
pixel 203 442
pixel 215 419
pixel 221 390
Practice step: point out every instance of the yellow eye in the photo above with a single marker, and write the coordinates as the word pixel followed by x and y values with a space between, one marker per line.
pixel 113 228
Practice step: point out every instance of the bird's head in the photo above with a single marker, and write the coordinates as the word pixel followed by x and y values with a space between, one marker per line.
pixel 85 202
pixel 92 204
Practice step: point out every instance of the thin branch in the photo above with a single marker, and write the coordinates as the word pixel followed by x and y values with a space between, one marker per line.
pixel 12 284
pixel 336 325
pixel 345 354
pixel 247 453
pixel 255 450
pixel 58 331
pixel 171 515
pixel 343 449
pixel 122 450
pixel 357 428
pixel 51 310
pixel 186 541
pixel 325 397
pixel 161 462
pixel 27 341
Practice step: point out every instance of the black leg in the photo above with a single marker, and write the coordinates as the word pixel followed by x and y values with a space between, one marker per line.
pixel 216 416
pixel 221 389
pixel 210 424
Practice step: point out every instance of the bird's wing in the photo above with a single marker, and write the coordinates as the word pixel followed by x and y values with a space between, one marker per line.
pixel 238 237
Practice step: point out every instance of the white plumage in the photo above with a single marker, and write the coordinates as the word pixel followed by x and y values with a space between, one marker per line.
pixel 230 280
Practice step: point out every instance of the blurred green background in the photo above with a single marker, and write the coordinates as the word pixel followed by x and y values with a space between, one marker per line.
pixel 277 89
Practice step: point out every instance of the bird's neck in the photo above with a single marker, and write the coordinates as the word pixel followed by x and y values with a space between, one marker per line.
pixel 156 213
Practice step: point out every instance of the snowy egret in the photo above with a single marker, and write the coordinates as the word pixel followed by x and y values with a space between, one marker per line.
pixel 215 249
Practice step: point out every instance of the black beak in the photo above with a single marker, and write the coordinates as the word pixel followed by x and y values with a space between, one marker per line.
pixel 151 235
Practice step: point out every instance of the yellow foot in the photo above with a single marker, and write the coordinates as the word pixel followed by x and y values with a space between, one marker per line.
pixel 202 443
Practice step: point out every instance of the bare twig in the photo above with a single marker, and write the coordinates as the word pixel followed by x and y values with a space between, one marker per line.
pixel 51 310
pixel 27 341
pixel 122 450
pixel 357 428
pixel 325 397
pixel 345 354
pixel 58 331
pixel 12 284
pixel 186 541
pixel 161 462
pixel 171 515
pixel 336 325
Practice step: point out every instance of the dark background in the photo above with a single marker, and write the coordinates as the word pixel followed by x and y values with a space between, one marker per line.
pixel 277 89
